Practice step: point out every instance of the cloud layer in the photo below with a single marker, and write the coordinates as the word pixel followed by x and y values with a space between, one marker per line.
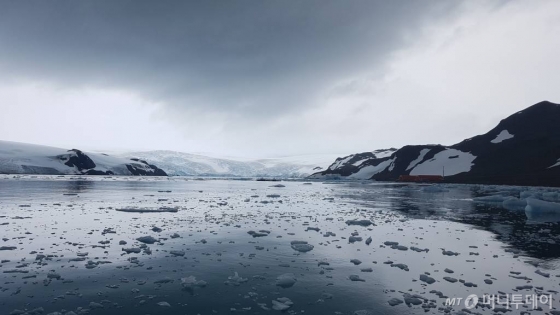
pixel 277 77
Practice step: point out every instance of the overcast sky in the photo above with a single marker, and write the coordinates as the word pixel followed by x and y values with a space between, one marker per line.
pixel 270 78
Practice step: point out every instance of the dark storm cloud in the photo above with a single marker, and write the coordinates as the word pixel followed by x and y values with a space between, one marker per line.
pixel 252 58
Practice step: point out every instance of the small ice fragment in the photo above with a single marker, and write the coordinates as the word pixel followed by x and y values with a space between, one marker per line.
pixel 427 279
pixel 146 239
pixel 359 222
pixel 356 278
pixel 301 246
pixel 286 280
pixel 281 304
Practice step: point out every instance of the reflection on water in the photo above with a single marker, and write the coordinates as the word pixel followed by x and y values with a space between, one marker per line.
pixel 74 252
pixel 537 234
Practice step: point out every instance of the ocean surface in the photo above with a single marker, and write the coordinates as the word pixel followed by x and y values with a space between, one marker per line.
pixel 360 248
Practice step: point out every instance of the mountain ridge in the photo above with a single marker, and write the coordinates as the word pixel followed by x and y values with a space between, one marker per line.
pixel 177 163
pixel 23 158
pixel 522 149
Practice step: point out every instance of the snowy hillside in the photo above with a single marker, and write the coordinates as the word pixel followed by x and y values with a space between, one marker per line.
pixel 523 149
pixel 180 163
pixel 22 158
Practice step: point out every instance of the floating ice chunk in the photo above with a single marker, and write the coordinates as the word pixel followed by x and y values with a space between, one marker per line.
pixel 146 239
pixel 91 264
pixel 399 247
pixel 538 217
pixel 53 275
pixel 450 279
pixel 95 305
pixel 492 199
pixel 412 299
pixel 514 204
pixel 551 196
pixel 395 301
pixel 416 249
pixel 356 278
pixel 164 304
pixel 15 271
pixel 541 206
pixel 301 246
pixel 149 210
pixel 286 280
pixel 529 193
pixel 236 280
pixel 177 253
pixel 281 304
pixel 542 273
pixel 400 266
pixel 353 239
pixel 261 233
pixel 359 222
pixel 190 283
pixel 427 279
pixel 164 280
pixel 135 250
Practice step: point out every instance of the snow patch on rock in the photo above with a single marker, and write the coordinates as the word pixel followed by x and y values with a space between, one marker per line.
pixel 453 160
pixel 555 164
pixel 419 159
pixel 503 135
pixel 367 172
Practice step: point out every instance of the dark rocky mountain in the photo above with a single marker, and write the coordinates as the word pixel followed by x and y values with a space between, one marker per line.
pixel 523 149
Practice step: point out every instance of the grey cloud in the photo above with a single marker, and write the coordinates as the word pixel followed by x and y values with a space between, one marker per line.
pixel 243 58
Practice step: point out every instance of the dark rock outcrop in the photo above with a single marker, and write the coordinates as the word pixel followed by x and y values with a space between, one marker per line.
pixel 145 169
pixel 78 159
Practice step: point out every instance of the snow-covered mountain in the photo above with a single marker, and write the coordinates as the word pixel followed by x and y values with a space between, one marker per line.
pixel 523 149
pixel 180 163
pixel 23 158
pixel 356 160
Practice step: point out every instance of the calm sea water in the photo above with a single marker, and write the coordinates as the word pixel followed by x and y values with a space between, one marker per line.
pixel 69 242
